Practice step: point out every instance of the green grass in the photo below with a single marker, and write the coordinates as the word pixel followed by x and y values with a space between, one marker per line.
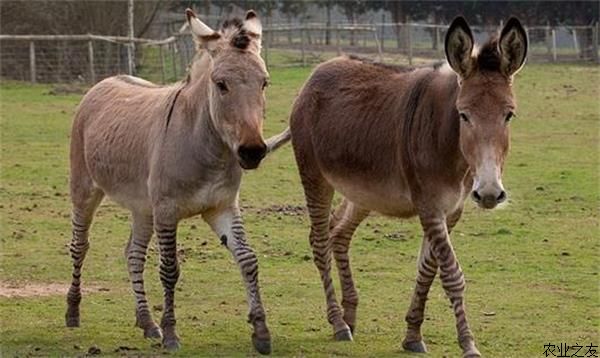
pixel 534 263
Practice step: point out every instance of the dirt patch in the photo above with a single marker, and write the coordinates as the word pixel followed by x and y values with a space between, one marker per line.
pixel 30 289
pixel 288 210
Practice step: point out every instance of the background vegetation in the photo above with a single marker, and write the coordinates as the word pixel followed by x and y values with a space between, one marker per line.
pixel 531 267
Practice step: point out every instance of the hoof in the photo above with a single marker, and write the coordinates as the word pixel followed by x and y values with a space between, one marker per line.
pixel 71 321
pixel 153 333
pixel 343 335
pixel 262 346
pixel 351 328
pixel 472 353
pixel 171 345
pixel 416 347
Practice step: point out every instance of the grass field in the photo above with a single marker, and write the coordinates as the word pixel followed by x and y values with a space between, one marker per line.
pixel 532 267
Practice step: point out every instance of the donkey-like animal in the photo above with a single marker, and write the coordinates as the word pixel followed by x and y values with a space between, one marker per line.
pixel 168 153
pixel 406 142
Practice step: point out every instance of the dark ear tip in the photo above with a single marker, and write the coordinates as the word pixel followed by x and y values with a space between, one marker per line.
pixel 459 21
pixel 189 13
pixel 250 14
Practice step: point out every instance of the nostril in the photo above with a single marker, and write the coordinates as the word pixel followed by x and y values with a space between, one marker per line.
pixel 252 153
pixel 502 197
pixel 476 196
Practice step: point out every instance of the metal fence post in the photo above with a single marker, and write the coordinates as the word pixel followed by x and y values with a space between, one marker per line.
pixel 575 43
pixel 91 60
pixel 378 43
pixel 32 61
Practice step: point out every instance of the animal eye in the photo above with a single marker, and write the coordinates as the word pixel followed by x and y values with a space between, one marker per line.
pixel 464 118
pixel 510 116
pixel 222 87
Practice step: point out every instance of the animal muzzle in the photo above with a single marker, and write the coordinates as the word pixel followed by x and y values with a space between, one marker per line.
pixel 251 155
pixel 489 197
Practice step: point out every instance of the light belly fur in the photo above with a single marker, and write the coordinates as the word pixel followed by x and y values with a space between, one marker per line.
pixel 387 199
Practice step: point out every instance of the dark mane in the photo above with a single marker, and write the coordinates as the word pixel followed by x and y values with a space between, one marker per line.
pixel 395 68
pixel 488 58
pixel 241 38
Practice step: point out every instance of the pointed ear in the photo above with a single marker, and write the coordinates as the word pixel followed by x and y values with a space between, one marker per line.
pixel 253 26
pixel 459 46
pixel 512 47
pixel 203 34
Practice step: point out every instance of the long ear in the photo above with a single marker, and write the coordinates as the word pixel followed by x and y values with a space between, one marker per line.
pixel 512 47
pixel 459 46
pixel 253 26
pixel 203 34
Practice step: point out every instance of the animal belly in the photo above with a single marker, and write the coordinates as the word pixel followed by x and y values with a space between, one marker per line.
pixel 387 199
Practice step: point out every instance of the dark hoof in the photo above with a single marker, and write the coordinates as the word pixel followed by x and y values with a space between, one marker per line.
pixel 71 321
pixel 417 347
pixel 262 346
pixel 343 335
pixel 171 345
pixel 153 333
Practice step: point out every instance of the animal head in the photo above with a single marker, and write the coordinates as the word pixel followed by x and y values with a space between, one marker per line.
pixel 486 102
pixel 236 83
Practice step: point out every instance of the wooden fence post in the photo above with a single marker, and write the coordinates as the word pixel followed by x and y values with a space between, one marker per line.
pixel 161 54
pixel 378 43
pixel 337 40
pixel 553 45
pixel 595 39
pixel 91 60
pixel 32 61
pixel 302 46
pixel 409 41
pixel 174 59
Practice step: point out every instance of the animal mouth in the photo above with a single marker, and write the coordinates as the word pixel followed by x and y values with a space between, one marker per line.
pixel 249 164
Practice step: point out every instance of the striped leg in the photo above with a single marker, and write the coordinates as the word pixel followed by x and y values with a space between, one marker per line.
pixel 341 235
pixel 85 203
pixel 426 271
pixel 318 201
pixel 229 227
pixel 452 277
pixel 165 226
pixel 135 253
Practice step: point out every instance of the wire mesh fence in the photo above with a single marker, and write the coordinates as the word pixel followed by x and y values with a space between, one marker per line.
pixel 90 58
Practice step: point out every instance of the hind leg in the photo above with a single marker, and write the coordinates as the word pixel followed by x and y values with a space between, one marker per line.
pixel 86 198
pixel 135 253
pixel 341 235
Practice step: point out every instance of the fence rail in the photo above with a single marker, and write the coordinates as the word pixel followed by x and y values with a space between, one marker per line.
pixel 89 57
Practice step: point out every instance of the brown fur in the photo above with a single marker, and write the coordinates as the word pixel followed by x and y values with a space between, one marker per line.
pixel 405 142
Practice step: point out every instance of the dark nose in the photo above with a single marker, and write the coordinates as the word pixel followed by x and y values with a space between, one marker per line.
pixel 489 201
pixel 251 155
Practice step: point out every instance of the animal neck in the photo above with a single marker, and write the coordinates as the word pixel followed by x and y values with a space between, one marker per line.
pixel 204 138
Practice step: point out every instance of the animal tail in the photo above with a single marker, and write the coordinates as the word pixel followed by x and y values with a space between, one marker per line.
pixel 278 140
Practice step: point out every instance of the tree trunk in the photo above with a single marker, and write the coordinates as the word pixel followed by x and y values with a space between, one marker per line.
pixel 327 31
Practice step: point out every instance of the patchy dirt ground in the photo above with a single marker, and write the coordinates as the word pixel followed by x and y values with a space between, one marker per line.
pixel 30 289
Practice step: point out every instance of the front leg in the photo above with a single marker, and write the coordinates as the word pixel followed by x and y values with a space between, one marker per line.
pixel 165 226
pixel 228 225
pixel 453 281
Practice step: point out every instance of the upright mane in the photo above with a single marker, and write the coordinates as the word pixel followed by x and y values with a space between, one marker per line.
pixel 488 58
pixel 238 36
